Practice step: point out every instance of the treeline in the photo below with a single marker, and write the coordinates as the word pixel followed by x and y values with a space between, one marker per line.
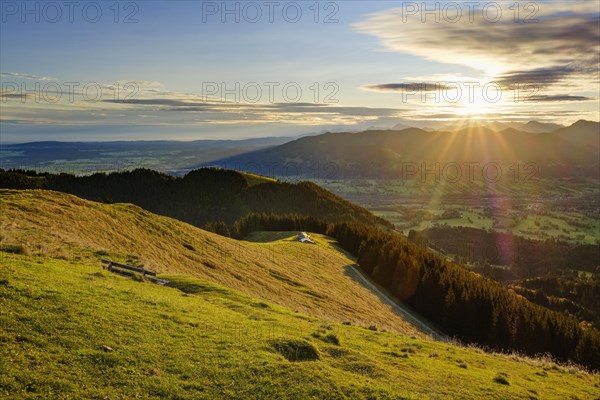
pixel 267 222
pixel 465 305
pixel 201 197
pixel 581 291
pixel 561 304
pixel 527 257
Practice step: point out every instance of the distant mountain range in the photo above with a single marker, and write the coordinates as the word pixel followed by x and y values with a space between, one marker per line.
pixel 530 127
pixel 571 151
pixel 554 150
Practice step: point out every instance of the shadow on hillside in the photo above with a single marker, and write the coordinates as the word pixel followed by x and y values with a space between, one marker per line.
pixel 400 309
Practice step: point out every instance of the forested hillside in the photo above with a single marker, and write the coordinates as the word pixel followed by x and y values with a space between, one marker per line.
pixel 528 257
pixel 473 308
pixel 555 274
pixel 200 197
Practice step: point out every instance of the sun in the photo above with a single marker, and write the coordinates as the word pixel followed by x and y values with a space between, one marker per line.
pixel 474 107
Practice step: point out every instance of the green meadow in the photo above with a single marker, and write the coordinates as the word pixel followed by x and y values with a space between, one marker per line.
pixel 71 330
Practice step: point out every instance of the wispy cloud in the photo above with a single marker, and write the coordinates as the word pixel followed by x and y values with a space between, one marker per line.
pixel 150 107
pixel 6 95
pixel 26 76
pixel 318 109
pixel 160 102
pixel 542 77
pixel 556 98
pixel 405 87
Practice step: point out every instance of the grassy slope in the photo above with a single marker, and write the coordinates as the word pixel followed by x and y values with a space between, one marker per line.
pixel 219 344
pixel 307 278
pixel 57 313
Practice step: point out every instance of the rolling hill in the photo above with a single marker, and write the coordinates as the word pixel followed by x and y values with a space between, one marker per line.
pixel 263 318
pixel 311 279
pixel 201 196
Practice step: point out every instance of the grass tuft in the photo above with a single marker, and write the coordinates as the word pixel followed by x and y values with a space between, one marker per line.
pixel 13 249
pixel 501 378
pixel 296 349
pixel 189 247
pixel 331 338
pixel 410 349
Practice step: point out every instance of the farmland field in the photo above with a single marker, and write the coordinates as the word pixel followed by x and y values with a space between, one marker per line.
pixel 542 210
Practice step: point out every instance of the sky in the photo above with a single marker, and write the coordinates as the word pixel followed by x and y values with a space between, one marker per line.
pixel 184 70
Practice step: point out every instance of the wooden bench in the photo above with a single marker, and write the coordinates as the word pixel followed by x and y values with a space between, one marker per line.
pixel 129 270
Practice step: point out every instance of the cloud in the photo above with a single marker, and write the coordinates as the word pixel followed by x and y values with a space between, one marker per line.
pixel 540 77
pixel 317 109
pixel 160 102
pixel 559 53
pixel 333 109
pixel 408 87
pixel 555 98
pixel 19 96
pixel 176 111
pixel 26 76
pixel 145 84
pixel 563 32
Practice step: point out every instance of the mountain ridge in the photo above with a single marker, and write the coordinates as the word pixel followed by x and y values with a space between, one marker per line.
pixel 201 196
pixel 566 152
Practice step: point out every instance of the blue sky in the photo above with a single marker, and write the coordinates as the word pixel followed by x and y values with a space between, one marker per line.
pixel 380 64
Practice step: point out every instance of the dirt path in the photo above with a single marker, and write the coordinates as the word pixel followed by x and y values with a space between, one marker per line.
pixel 407 314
